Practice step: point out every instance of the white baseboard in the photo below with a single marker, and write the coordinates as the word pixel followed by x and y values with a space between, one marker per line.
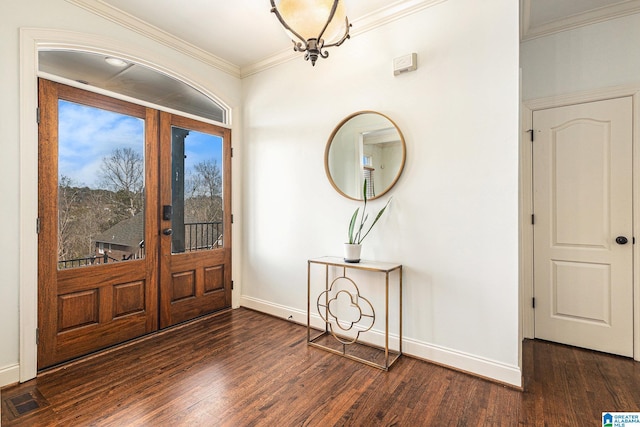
pixel 457 360
pixel 277 310
pixel 465 362
pixel 9 375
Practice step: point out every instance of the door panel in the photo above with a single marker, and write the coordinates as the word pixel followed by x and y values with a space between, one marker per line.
pixel 88 297
pixel 135 216
pixel 583 201
pixel 195 273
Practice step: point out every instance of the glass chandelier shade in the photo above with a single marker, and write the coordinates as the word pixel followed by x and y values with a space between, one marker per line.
pixel 313 25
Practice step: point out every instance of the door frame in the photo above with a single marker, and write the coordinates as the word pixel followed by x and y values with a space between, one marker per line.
pixel 527 320
pixel 32 40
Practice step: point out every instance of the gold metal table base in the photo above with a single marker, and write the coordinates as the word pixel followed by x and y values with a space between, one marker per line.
pixel 331 339
pixel 374 352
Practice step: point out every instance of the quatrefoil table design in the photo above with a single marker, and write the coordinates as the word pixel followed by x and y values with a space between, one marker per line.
pixel 334 310
pixel 347 314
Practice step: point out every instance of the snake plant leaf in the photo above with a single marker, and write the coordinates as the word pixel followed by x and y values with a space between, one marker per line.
pixel 376 219
pixel 355 232
pixel 352 225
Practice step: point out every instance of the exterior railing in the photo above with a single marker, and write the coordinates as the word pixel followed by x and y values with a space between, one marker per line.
pixel 77 262
pixel 197 236
pixel 99 259
pixel 202 235
pixel 83 262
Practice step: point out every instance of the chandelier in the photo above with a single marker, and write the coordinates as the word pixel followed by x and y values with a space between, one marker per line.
pixel 313 25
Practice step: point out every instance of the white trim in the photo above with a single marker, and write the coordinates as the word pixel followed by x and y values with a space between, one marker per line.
pixel 374 336
pixel 581 97
pixel 526 228
pixel 277 310
pixel 465 362
pixel 126 98
pixel 621 9
pixel 126 20
pixel 636 224
pixel 392 12
pixel 371 21
pixel 9 375
pixel 457 360
pixel 48 39
pixel 528 108
pixel 269 62
pixel 525 17
pixel 28 212
pixel 521 260
pixel 31 40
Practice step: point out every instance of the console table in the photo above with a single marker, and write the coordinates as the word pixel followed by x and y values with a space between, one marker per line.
pixel 341 294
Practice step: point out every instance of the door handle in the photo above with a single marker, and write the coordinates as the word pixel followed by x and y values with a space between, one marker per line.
pixel 621 240
pixel 167 232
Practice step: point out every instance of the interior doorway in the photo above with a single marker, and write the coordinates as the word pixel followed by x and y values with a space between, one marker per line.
pixel 583 225
pixel 135 221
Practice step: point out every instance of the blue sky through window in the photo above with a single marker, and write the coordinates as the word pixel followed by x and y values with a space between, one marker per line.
pixel 86 135
pixel 201 147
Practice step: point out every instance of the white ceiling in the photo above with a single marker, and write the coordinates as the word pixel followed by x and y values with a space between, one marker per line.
pixel 240 32
pixel 243 33
pixel 243 37
pixel 543 17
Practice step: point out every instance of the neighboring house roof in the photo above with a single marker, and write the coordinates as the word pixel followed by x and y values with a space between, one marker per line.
pixel 129 232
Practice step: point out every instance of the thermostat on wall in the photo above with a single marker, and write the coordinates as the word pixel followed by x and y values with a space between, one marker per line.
pixel 405 63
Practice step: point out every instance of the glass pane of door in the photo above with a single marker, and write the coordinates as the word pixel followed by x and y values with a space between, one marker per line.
pixel 196 188
pixel 100 186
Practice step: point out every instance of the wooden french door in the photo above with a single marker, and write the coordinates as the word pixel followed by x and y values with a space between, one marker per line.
pixel 195 267
pixel 125 248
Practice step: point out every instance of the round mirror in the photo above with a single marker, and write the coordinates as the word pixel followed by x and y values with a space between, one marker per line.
pixel 365 147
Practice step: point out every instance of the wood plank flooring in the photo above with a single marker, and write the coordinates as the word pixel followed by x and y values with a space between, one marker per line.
pixel 243 368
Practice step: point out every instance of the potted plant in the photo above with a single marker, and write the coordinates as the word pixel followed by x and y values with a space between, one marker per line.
pixel 357 229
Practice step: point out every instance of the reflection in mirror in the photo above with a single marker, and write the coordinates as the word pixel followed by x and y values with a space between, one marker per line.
pixel 365 146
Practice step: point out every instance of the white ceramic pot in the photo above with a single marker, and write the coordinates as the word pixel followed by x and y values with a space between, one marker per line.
pixel 352 252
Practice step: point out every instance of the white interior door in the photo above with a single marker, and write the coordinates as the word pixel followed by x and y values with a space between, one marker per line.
pixel 583 277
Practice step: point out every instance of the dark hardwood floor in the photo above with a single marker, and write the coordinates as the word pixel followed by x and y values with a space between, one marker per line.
pixel 243 368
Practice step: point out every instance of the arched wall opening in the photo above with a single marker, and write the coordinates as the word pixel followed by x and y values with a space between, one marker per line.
pixel 32 43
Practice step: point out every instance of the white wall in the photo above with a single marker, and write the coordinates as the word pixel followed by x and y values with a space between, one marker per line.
pixel 592 57
pixel 59 15
pixel 453 221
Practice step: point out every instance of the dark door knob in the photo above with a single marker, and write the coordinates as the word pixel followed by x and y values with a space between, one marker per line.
pixel 621 240
pixel 167 232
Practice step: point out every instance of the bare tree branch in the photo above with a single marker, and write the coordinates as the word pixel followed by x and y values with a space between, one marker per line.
pixel 204 192
pixel 123 172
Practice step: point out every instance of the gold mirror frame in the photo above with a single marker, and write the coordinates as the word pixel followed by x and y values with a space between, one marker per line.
pixel 345 154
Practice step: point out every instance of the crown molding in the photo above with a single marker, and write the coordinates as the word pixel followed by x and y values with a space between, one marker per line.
pixel 371 21
pixel 582 97
pixel 390 13
pixel 269 62
pixel 528 32
pixel 126 20
pixel 385 15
